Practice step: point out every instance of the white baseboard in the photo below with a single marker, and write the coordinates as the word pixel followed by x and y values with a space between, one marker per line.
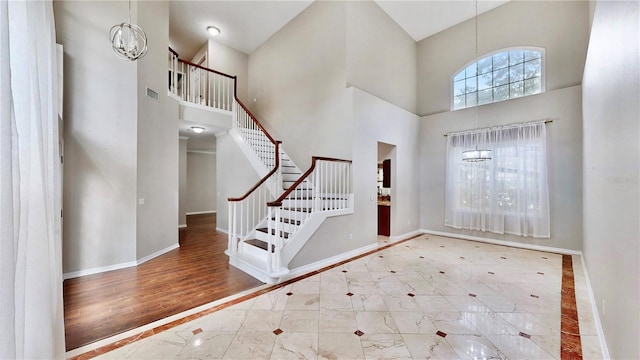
pixel 222 230
pixel 596 314
pixel 202 212
pixel 394 238
pixel 328 261
pixel 157 253
pixel 182 226
pixel 75 274
pixel 504 242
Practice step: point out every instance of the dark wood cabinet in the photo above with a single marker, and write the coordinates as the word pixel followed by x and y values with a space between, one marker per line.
pixel 384 220
pixel 386 173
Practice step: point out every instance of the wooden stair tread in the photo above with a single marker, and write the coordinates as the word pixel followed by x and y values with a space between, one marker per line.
pixel 260 244
pixel 288 221
pixel 273 232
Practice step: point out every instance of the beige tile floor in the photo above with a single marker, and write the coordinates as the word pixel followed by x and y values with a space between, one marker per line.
pixel 427 298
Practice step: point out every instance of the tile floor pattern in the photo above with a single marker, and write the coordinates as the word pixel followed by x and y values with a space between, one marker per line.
pixel 427 298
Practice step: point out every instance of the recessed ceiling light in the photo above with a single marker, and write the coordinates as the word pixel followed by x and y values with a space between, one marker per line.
pixel 213 31
pixel 197 129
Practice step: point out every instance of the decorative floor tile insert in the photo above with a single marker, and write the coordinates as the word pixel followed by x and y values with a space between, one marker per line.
pixel 453 310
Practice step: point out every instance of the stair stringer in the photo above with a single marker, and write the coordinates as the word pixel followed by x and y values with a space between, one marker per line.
pixel 306 230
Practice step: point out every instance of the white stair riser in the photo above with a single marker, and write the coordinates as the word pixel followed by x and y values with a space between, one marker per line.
pixel 288 228
pixel 253 251
pixel 297 203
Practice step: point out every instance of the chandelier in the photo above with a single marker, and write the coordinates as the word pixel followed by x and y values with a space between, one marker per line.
pixel 482 154
pixel 129 42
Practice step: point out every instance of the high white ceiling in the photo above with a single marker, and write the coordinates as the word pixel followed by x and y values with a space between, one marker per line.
pixel 421 19
pixel 245 25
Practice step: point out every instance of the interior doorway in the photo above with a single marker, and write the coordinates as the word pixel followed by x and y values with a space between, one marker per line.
pixel 385 181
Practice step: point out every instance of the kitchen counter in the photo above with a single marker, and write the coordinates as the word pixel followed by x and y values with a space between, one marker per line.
pixel 384 202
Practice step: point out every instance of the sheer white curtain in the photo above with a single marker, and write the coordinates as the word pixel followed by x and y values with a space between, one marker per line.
pixel 507 194
pixel 31 315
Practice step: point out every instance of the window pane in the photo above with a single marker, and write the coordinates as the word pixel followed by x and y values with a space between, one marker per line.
pixel 485 81
pixel 517 89
pixel 485 65
pixel 532 69
pixel 471 70
pixel 500 60
pixel 532 86
pixel 531 54
pixel 472 99
pixel 471 84
pixel 501 77
pixel 501 93
pixel 458 87
pixel 516 57
pixel 460 76
pixel 485 96
pixel 516 73
pixel 458 102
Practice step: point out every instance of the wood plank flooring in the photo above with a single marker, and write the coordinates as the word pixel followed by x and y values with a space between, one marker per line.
pixel 102 305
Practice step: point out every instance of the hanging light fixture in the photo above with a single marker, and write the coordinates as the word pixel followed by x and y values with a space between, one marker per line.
pixel 476 155
pixel 129 41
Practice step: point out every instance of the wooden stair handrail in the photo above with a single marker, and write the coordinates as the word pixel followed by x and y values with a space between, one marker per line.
pixel 235 92
pixel 253 118
pixel 273 171
pixel 278 201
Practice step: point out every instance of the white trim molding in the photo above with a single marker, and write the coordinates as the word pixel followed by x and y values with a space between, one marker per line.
pixel 504 242
pixel 304 269
pixel 207 152
pixel 202 212
pixel 394 238
pixel 222 230
pixel 596 314
pixel 75 274
pixel 157 253
pixel 181 226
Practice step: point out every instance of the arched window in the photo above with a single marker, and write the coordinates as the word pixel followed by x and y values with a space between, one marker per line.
pixel 502 75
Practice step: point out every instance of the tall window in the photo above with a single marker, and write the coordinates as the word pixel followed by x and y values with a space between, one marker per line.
pixel 507 194
pixel 503 75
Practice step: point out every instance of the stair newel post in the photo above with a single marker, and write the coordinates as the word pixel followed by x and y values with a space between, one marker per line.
pixel 231 233
pixel 270 229
pixel 279 181
pixel 317 199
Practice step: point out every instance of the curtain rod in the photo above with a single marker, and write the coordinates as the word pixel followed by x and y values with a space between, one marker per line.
pixel 502 126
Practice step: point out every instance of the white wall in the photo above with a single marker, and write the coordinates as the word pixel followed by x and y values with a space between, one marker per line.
pixel 182 182
pixel 564 156
pixel 230 61
pixel 611 89
pixel 157 219
pixel 298 78
pixel 381 56
pixel 374 120
pixel 561 27
pixel 234 178
pixel 201 182
pixel 100 133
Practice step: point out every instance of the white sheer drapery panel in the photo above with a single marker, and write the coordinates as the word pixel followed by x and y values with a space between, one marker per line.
pixel 31 321
pixel 507 194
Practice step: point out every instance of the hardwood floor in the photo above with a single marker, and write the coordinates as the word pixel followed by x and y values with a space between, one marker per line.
pixel 102 305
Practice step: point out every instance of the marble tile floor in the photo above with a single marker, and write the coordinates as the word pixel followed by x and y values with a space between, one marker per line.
pixel 426 298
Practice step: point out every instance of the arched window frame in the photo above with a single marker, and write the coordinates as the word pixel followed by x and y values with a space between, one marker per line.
pixel 491 54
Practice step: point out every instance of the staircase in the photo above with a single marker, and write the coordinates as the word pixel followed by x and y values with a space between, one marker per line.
pixel 273 220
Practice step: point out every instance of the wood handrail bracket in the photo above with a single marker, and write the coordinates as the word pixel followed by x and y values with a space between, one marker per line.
pixel 314 159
